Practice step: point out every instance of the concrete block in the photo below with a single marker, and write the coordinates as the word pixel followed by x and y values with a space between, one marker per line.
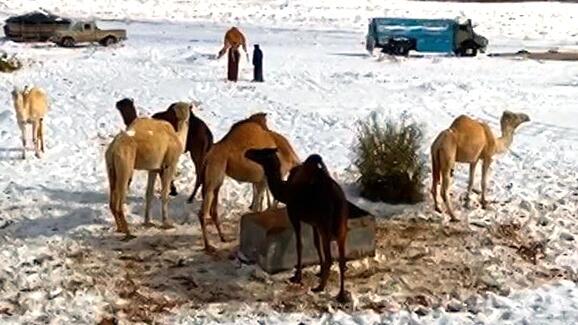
pixel 268 238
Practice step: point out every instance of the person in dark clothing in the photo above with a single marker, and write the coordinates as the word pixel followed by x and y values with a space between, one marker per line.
pixel 233 64
pixel 257 64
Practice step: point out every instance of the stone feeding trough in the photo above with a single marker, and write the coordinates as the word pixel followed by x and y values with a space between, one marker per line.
pixel 268 239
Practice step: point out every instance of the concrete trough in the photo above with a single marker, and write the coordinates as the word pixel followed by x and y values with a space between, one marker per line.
pixel 268 239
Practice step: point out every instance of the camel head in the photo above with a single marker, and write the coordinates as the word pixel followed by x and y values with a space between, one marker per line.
pixel 125 102
pixel 316 161
pixel 18 98
pixel 510 120
pixel 263 157
pixel 182 110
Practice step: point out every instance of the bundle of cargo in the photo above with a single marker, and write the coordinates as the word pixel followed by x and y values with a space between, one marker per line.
pixel 37 26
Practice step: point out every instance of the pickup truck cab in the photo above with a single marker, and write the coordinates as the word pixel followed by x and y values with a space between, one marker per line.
pixel 87 32
pixel 398 36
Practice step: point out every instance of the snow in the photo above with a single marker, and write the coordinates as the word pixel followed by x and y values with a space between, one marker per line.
pixel 61 262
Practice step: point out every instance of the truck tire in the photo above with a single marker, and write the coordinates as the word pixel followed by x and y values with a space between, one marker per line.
pixel 467 48
pixel 108 41
pixel 67 42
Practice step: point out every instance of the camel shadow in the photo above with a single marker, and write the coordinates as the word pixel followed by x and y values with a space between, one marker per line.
pixel 7 154
pixel 54 225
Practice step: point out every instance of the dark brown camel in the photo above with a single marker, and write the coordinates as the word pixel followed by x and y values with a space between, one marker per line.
pixel 199 137
pixel 313 197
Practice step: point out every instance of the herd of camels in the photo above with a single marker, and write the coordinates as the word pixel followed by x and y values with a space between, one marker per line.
pixel 253 153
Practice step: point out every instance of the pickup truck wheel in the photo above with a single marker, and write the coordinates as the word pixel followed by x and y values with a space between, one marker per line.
pixel 67 42
pixel 108 41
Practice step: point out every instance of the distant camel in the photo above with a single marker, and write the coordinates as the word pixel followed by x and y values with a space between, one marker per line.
pixel 313 197
pixel 199 136
pixel 31 105
pixel 226 157
pixel 233 39
pixel 147 144
pixel 469 141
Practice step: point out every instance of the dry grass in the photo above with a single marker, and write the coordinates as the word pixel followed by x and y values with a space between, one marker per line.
pixel 417 263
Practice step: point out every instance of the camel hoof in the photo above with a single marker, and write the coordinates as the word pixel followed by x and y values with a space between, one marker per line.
pixel 343 297
pixel 437 209
pixel 210 249
pixel 148 224
pixel 128 237
pixel 295 279
pixel 318 288
pixel 167 225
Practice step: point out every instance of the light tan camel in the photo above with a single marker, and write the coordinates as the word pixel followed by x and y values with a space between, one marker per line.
pixel 469 141
pixel 291 159
pixel 233 39
pixel 227 157
pixel 31 106
pixel 147 144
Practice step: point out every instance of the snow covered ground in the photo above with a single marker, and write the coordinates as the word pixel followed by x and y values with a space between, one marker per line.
pixel 60 261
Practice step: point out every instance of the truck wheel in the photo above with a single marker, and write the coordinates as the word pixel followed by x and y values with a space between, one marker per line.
pixel 467 49
pixel 402 49
pixel 108 41
pixel 68 42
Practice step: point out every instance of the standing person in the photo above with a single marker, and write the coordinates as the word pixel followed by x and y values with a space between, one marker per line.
pixel 257 64
pixel 233 58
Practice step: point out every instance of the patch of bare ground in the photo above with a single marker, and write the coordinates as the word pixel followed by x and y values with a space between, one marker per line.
pixel 419 265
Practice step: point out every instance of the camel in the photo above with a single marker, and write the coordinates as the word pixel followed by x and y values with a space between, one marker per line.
pixel 469 141
pixel 233 39
pixel 313 197
pixel 199 137
pixel 226 157
pixel 31 105
pixel 151 145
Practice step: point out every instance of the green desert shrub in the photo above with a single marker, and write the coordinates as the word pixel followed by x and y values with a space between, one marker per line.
pixel 388 159
pixel 9 63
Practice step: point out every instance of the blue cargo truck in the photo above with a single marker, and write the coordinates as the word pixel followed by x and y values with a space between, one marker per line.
pixel 398 36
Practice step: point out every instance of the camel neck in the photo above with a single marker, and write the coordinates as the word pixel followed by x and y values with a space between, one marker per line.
pixel 276 184
pixel 182 133
pixel 503 143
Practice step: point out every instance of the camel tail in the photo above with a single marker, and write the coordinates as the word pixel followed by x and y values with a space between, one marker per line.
pixel 435 162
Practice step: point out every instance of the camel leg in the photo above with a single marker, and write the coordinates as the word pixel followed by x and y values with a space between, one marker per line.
pixel 258 196
pixel 326 267
pixel 208 197
pixel 296 278
pixel 435 182
pixel 485 168
pixel 470 183
pixel 35 140
pixel 41 134
pixel 117 197
pixel 317 242
pixel 149 197
pixel 215 215
pixel 341 240
pixel 166 179
pixel 198 171
pixel 22 127
pixel 446 183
